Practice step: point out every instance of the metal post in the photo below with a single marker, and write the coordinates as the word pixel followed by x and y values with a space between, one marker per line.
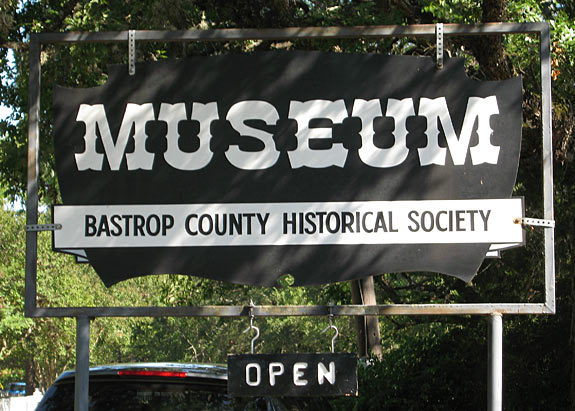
pixel 495 366
pixel 33 171
pixel 546 126
pixel 82 364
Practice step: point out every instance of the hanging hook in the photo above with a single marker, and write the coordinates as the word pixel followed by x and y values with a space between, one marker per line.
pixel 252 327
pixel 333 327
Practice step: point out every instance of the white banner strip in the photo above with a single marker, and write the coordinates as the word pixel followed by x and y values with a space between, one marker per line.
pixel 258 224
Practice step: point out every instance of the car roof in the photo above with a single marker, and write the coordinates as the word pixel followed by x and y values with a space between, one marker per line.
pixel 210 371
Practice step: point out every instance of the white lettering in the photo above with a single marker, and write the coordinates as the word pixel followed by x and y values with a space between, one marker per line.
pixel 275 370
pixel 91 116
pixel 303 113
pixel 251 110
pixel 172 114
pixel 323 373
pixel 482 109
pixel 135 117
pixel 436 109
pixel 368 111
pixel 298 368
pixel 258 370
pixel 307 152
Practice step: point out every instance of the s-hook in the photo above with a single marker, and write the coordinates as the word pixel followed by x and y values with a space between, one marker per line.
pixel 333 327
pixel 252 326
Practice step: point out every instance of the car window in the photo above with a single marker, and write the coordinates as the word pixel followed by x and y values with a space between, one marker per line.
pixel 145 396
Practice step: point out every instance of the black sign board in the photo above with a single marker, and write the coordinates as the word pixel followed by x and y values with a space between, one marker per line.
pixel 281 375
pixel 326 166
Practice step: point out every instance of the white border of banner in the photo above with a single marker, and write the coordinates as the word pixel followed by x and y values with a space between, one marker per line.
pixel 489 221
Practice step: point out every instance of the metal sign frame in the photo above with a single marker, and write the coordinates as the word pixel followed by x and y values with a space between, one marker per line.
pixel 373 32
pixel 493 311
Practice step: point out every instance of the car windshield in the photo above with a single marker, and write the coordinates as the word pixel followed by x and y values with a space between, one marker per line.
pixel 166 396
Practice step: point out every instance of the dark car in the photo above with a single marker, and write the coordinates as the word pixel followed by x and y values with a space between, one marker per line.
pixel 163 387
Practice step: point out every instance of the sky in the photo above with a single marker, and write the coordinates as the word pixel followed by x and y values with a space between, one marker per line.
pixel 4 112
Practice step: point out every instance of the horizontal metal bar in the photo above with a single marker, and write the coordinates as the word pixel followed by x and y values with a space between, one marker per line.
pixel 494 28
pixel 291 33
pixel 294 310
pixel 43 227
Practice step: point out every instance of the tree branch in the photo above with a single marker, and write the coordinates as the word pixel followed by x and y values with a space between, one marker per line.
pixel 14 45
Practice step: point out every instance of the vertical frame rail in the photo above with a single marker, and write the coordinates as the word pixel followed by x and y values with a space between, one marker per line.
pixel 33 171
pixel 546 125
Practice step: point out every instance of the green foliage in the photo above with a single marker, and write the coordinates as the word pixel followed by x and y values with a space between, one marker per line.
pixel 454 11
pixel 192 339
pixel 49 343
pixel 426 367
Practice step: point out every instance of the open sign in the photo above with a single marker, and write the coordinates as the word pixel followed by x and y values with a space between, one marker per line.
pixel 292 374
